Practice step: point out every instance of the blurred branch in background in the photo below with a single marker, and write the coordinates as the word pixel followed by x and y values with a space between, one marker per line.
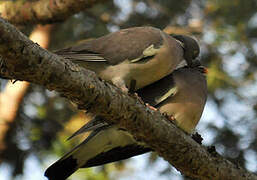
pixel 43 11
pixel 10 99
pixel 195 27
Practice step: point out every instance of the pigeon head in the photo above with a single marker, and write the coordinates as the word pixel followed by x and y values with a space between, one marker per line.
pixel 190 46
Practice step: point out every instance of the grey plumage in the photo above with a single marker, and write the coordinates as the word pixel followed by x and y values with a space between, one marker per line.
pixel 140 54
pixel 181 94
pixel 190 46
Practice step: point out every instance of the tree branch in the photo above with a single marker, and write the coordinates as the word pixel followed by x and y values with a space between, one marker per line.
pixel 12 96
pixel 42 11
pixel 25 60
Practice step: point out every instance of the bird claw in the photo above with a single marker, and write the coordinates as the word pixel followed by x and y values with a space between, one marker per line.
pixel 135 95
pixel 124 89
pixel 151 107
pixel 142 102
pixel 172 118
pixel 197 137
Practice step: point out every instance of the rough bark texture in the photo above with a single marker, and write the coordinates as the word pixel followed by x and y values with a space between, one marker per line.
pixel 12 96
pixel 43 11
pixel 25 60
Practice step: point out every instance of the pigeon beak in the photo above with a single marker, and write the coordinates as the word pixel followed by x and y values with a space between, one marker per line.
pixel 205 70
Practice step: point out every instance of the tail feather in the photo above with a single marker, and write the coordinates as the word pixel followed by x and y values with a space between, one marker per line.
pixel 68 164
pixel 116 154
pixel 94 124
pixel 62 169
pixel 103 145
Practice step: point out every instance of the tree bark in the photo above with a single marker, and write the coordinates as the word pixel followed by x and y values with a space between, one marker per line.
pixel 42 11
pixel 25 60
pixel 12 96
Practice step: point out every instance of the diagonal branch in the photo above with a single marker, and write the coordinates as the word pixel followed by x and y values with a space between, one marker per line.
pixel 25 60
pixel 42 11
pixel 12 96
